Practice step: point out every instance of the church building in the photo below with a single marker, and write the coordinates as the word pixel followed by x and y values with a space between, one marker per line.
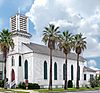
pixel 30 61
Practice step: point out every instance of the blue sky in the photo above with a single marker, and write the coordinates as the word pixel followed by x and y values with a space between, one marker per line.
pixel 10 8
pixel 73 15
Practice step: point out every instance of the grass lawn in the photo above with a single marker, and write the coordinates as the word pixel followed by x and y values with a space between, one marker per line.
pixel 69 89
pixel 3 90
pixel 53 90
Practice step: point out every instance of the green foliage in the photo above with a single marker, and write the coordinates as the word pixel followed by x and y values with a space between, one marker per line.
pixel 61 90
pixel 51 35
pixel 21 85
pixel 70 84
pixel 65 42
pixel 98 77
pixel 6 41
pixel 1 83
pixel 94 82
pixel 33 86
pixel 79 43
pixel 30 86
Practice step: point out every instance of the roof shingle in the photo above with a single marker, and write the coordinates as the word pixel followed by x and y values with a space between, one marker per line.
pixel 41 49
pixel 88 69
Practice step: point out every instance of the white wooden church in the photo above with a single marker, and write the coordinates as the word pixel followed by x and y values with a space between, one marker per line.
pixel 30 61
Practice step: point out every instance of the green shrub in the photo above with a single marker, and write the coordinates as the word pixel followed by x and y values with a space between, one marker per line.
pixel 94 82
pixel 70 84
pixel 1 83
pixel 30 85
pixel 33 86
pixel 21 85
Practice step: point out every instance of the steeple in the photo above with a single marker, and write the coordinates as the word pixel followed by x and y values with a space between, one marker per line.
pixel 19 24
pixel 19 29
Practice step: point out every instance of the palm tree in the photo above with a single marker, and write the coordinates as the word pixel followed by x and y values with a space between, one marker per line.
pixel 6 42
pixel 65 44
pixel 50 37
pixel 79 45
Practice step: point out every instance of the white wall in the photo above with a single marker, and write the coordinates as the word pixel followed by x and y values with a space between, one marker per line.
pixel 38 70
pixel 86 82
pixel 2 69
pixel 19 50
pixel 36 65
pixel 19 70
pixel 18 40
pixel 29 58
pixel 15 67
pixel 1 66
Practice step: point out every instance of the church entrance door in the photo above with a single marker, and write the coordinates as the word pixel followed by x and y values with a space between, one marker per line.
pixel 12 75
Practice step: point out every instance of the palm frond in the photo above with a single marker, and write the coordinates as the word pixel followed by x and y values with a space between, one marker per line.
pixel 6 40
pixel 66 41
pixel 50 35
pixel 79 42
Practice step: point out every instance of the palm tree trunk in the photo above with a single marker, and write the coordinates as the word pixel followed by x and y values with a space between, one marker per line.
pixel 5 70
pixel 5 73
pixel 65 86
pixel 77 80
pixel 50 80
pixel 5 59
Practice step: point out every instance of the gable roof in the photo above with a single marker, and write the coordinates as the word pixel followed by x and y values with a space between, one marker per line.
pixel 88 69
pixel 41 49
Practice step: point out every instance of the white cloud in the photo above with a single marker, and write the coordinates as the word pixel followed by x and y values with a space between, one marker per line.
pixel 92 63
pixel 24 4
pixel 43 14
pixel 90 27
pixel 73 15
pixel 39 3
pixel 85 7
pixel 94 68
pixel 85 63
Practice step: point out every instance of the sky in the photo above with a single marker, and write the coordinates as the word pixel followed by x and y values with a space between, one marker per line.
pixel 77 16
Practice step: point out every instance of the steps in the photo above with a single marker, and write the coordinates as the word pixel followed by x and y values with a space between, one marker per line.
pixel 13 84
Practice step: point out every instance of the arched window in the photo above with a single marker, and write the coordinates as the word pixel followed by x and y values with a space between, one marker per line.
pixel 55 71
pixel 78 72
pixel 19 60
pixel 45 70
pixel 71 72
pixel 26 69
pixel 64 71
pixel 12 60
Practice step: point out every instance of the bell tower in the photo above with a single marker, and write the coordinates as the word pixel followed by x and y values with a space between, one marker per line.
pixel 20 35
pixel 19 23
pixel 20 31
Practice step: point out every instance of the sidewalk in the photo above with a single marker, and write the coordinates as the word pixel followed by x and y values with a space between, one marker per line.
pixel 23 90
pixel 30 91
